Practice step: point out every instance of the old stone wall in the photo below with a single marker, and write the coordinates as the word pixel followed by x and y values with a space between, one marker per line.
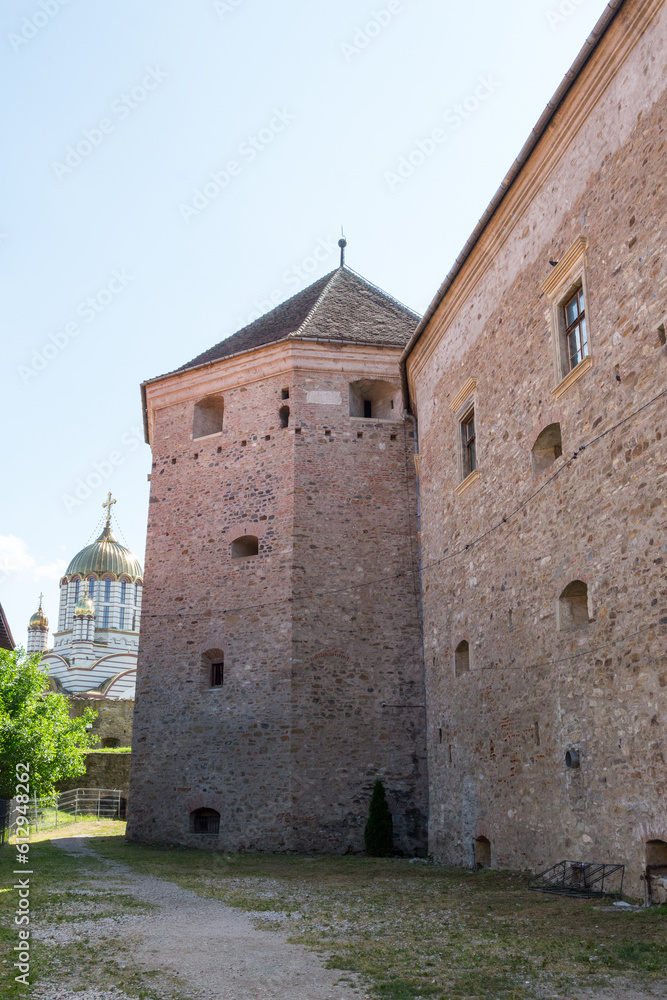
pixel 114 718
pixel 317 630
pixel 497 555
pixel 103 770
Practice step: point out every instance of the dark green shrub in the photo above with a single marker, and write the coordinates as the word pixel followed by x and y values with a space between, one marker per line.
pixel 378 832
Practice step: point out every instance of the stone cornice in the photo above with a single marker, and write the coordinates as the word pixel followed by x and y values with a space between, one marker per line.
pixel 272 361
pixel 564 266
pixel 463 394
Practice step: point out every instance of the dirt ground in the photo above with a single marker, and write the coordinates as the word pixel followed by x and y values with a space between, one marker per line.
pixel 212 950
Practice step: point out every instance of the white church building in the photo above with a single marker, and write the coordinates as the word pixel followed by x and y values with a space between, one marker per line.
pixel 94 651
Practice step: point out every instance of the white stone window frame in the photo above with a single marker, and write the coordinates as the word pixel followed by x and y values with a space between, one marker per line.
pixel 463 403
pixel 569 275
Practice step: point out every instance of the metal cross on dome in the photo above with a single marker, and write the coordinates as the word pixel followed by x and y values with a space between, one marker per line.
pixel 109 504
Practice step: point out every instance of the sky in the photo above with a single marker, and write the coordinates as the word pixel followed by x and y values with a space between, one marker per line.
pixel 173 169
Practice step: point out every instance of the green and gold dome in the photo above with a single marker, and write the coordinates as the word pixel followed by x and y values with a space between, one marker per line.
pixel 39 619
pixel 84 606
pixel 105 555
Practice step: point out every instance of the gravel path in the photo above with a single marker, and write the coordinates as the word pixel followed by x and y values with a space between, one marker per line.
pixel 214 949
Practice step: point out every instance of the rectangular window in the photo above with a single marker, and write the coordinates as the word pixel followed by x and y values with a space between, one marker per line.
pixel 216 674
pixel 105 616
pixel 567 294
pixel 121 618
pixel 107 590
pixel 368 408
pixel 76 591
pixel 91 588
pixel 123 591
pixel 468 443
pixel 576 341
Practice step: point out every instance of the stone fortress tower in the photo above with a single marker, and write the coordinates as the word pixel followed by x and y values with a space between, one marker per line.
pixel 280 669
pixel 95 647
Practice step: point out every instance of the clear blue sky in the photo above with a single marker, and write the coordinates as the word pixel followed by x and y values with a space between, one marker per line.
pixel 115 114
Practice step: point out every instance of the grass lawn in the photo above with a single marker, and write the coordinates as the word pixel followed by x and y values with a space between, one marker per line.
pixel 410 929
pixel 421 930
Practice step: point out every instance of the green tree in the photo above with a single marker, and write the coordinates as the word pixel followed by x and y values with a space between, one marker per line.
pixel 378 832
pixel 36 728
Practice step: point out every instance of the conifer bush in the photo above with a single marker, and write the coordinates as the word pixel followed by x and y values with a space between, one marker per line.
pixel 378 832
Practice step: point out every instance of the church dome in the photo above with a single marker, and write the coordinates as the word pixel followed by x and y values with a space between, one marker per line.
pixel 84 606
pixel 39 619
pixel 106 555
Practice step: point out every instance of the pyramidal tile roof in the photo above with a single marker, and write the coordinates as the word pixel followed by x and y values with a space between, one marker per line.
pixel 341 306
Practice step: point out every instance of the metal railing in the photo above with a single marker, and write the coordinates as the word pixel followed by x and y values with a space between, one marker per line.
pixel 57 810
pixel 581 878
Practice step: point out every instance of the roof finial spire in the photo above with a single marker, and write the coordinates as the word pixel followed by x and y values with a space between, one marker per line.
pixel 108 506
pixel 342 243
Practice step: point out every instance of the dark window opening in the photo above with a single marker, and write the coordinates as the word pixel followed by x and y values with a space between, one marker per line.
pixel 374 399
pixel 243 444
pixel 284 393
pixel 327 433
pixel 246 545
pixel 297 430
pixel 360 434
pixel 110 741
pixel 468 441
pixel 267 437
pixel 662 337
pixel 217 672
pixel 462 658
pixel 483 852
pixel 392 437
pixel 656 853
pixel 283 412
pixel 205 821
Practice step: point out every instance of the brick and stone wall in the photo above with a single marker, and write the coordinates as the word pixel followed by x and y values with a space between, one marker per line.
pixel 498 733
pixel 323 676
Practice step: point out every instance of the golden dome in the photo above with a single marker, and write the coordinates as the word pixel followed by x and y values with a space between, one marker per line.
pixel 84 606
pixel 106 555
pixel 39 619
